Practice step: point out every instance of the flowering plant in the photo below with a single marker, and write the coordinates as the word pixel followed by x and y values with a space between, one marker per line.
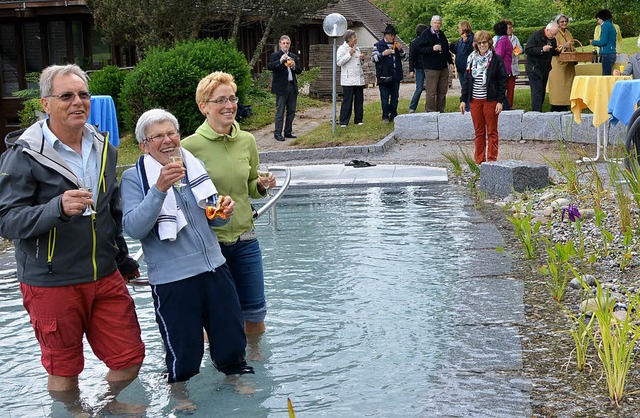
pixel 572 212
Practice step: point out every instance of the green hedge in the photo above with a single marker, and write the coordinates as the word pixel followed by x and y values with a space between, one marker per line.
pixel 583 31
pixel 167 78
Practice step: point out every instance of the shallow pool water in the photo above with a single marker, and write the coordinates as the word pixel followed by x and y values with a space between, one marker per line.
pixel 358 285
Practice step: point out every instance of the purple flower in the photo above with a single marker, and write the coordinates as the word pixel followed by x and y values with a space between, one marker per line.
pixel 572 212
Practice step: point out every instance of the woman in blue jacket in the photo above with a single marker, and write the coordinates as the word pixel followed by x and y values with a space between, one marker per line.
pixel 607 41
pixel 191 285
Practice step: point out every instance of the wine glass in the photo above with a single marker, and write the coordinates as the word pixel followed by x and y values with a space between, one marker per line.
pixel 86 185
pixel 263 175
pixel 176 157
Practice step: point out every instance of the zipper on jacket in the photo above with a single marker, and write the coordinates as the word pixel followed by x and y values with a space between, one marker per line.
pixel 93 246
pixel 102 184
pixel 51 246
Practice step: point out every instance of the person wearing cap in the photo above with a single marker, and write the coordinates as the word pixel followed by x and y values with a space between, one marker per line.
pixel 438 63
pixel 387 56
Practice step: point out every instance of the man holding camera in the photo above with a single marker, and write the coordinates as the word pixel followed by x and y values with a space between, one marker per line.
pixel 388 55
pixel 285 65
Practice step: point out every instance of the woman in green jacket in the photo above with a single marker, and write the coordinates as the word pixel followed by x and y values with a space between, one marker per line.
pixel 231 159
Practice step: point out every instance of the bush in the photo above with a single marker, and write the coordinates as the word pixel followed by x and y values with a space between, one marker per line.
pixel 582 31
pixel 167 78
pixel 29 113
pixel 109 81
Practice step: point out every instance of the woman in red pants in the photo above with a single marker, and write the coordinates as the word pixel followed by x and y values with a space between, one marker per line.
pixel 484 90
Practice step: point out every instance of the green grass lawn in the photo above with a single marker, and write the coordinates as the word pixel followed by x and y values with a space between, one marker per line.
pixel 373 130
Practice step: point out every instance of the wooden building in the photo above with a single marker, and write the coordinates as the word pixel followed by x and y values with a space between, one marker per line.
pixel 37 33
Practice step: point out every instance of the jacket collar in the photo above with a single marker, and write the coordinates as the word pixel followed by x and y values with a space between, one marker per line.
pixel 205 131
pixel 33 143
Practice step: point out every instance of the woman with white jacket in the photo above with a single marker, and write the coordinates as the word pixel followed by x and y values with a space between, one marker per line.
pixel 350 60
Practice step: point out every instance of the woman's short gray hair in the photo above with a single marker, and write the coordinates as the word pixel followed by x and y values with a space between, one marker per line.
pixel 150 118
pixel 51 72
pixel 560 16
pixel 349 34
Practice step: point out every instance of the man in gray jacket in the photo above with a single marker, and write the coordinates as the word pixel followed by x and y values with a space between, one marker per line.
pixel 64 252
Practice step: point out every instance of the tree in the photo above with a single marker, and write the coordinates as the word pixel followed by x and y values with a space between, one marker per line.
pixel 409 13
pixel 482 14
pixel 532 13
pixel 150 23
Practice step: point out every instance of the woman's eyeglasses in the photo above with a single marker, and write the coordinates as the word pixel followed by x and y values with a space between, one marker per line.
pixel 67 97
pixel 224 100
pixel 159 137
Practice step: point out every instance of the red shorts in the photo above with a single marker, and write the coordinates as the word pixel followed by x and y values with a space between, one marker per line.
pixel 103 310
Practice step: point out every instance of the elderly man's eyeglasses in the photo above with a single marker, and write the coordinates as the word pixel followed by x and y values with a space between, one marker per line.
pixel 68 97
pixel 159 137
pixel 224 100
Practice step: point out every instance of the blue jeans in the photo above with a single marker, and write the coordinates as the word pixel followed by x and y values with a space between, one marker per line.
pixel 419 73
pixel 244 259
pixel 389 93
pixel 607 63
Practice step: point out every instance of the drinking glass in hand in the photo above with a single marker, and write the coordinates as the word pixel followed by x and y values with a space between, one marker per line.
pixel 176 157
pixel 86 185
pixel 263 176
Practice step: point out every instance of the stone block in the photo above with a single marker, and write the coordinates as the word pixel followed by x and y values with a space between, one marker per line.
pixel 585 133
pixel 455 127
pixel 504 177
pixel 510 125
pixel 416 126
pixel 543 126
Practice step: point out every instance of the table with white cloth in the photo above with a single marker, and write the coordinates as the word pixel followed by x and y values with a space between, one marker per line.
pixel 623 101
pixel 103 115
pixel 593 92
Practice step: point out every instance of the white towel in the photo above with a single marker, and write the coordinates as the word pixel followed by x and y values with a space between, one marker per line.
pixel 171 219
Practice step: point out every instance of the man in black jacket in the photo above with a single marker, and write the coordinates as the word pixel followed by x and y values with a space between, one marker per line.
pixel 388 55
pixel 416 67
pixel 434 47
pixel 285 65
pixel 540 48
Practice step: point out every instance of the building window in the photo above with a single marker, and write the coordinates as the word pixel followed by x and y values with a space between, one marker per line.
pixel 57 38
pixel 9 59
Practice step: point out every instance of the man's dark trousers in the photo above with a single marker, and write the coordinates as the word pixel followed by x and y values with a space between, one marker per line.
pixel 286 102
pixel 538 85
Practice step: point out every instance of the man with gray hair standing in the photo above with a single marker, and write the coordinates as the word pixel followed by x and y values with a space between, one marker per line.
pixel 60 204
pixel 285 66
pixel 437 60
pixel 540 48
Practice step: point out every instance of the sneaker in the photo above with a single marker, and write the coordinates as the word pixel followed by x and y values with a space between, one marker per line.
pixel 343 126
pixel 385 121
pixel 412 111
pixel 359 123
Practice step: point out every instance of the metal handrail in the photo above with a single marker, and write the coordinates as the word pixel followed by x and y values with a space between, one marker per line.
pixel 270 204
pixel 282 189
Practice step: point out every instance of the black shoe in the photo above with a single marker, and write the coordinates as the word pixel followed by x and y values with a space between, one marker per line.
pixel 279 137
pixel 290 136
